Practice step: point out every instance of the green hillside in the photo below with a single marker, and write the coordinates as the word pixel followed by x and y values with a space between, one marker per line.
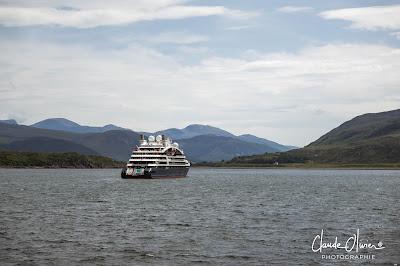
pixel 363 128
pixel 365 139
pixel 55 160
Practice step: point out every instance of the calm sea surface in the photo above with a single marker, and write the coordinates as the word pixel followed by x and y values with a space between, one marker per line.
pixel 213 217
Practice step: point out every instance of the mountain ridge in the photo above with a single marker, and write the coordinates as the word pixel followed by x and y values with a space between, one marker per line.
pixel 215 148
pixel 9 121
pixel 258 140
pixel 369 138
pixel 189 131
pixel 117 144
pixel 193 130
pixel 64 124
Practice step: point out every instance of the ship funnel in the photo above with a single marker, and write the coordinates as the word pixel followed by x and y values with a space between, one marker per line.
pixel 141 137
pixel 163 137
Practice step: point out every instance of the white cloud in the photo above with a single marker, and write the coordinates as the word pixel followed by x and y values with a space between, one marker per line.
pixel 82 16
pixel 368 18
pixel 177 38
pixel 270 95
pixel 97 4
pixel 295 9
pixel 241 27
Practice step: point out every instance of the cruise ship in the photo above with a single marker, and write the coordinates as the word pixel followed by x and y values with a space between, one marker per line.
pixel 156 157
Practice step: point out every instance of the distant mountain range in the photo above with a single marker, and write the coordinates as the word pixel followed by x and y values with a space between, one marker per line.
pixel 9 121
pixel 369 138
pixel 116 144
pixel 215 148
pixel 68 125
pixel 193 131
pixel 200 142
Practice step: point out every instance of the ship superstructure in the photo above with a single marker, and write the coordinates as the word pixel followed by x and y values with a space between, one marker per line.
pixel 156 157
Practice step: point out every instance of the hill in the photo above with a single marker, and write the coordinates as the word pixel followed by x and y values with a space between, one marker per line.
pixel 200 142
pixel 45 144
pixel 193 131
pixel 274 145
pixel 190 131
pixel 116 144
pixel 214 148
pixel 70 126
pixel 9 121
pixel 55 160
pixel 363 128
pixel 366 139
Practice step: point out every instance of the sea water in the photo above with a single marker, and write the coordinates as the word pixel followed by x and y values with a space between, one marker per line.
pixel 212 217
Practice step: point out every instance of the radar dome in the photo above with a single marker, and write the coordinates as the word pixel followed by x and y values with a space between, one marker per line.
pixel 151 138
pixel 176 144
pixel 159 138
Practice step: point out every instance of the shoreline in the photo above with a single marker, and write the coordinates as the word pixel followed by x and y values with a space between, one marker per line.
pixel 39 167
pixel 303 168
pixel 309 167
pixel 235 167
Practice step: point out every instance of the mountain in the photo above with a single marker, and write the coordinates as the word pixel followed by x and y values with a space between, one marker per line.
pixel 116 144
pixel 272 144
pixel 366 139
pixel 70 126
pixel 9 121
pixel 200 142
pixel 214 148
pixel 194 130
pixel 200 130
pixel 367 127
pixel 46 144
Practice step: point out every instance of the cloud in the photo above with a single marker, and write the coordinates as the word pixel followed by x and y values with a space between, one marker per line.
pixel 368 18
pixel 177 38
pixel 270 95
pixel 294 9
pixel 14 16
pixel 241 27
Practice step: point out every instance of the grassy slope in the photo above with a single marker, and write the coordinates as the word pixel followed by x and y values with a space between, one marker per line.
pixel 363 128
pixel 370 139
pixel 55 160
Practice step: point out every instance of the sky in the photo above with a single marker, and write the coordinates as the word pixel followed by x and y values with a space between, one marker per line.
pixel 288 71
